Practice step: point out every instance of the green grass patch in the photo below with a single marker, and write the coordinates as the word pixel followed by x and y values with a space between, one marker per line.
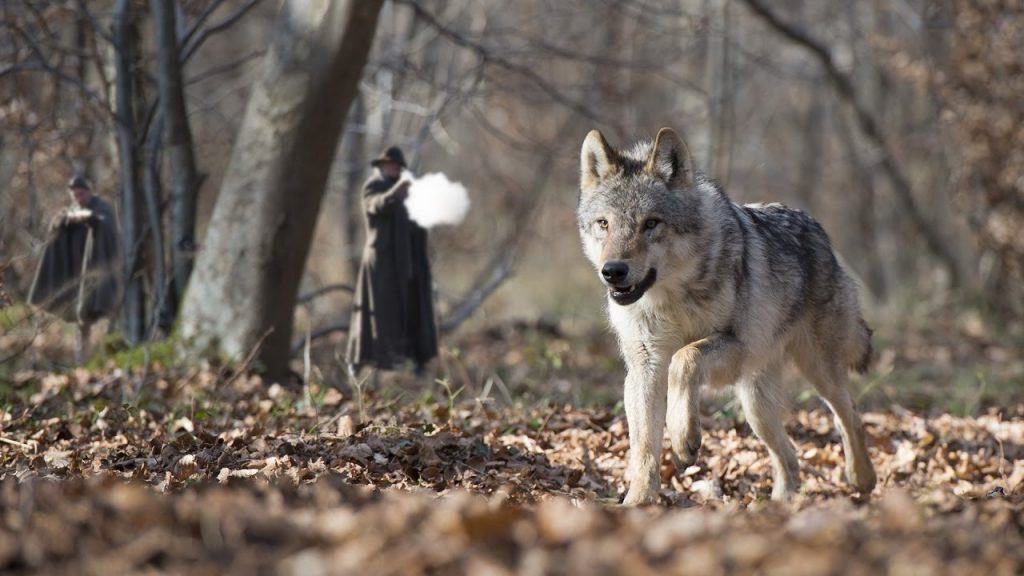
pixel 114 349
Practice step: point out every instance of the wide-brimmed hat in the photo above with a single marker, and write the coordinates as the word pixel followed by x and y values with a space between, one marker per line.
pixel 392 154
pixel 79 182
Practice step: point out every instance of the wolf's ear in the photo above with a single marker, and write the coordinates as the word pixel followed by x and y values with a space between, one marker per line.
pixel 670 160
pixel 597 160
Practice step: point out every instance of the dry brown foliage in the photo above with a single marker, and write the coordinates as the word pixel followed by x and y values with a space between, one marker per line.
pixel 213 473
pixel 986 76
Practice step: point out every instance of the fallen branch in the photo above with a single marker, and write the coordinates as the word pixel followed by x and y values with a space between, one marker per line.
pixel 501 272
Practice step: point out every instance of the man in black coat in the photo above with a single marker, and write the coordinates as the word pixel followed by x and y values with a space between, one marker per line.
pixel 79 276
pixel 393 311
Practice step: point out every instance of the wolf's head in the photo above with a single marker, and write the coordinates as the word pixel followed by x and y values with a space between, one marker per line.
pixel 639 211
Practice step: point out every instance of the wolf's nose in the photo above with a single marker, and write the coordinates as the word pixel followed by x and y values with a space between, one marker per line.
pixel 615 272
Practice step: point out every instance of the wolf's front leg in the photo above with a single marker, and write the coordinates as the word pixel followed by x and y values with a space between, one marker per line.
pixel 684 382
pixel 645 396
pixel 714 360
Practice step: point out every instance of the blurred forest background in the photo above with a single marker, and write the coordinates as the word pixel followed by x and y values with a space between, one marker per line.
pixel 898 124
pixel 233 137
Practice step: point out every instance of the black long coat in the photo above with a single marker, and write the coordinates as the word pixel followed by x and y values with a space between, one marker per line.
pixel 59 286
pixel 393 311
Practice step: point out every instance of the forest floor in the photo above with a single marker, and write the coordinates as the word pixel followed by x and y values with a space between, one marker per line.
pixel 517 469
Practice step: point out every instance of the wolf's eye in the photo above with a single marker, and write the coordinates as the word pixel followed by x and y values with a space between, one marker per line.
pixel 651 223
pixel 602 223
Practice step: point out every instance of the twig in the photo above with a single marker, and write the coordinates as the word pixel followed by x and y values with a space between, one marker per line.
pixel 322 425
pixel 16 443
pixel 42 64
pixel 226 67
pixel 248 359
pixel 305 373
pixel 39 327
pixel 320 333
pixel 488 55
pixel 200 20
pixel 325 290
pixel 189 46
pixel 357 384
pixel 129 462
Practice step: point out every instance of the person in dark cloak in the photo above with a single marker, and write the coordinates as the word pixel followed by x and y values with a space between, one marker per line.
pixel 79 275
pixel 393 311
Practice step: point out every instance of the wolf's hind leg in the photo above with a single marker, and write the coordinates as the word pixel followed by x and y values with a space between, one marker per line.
pixel 833 389
pixel 715 360
pixel 765 406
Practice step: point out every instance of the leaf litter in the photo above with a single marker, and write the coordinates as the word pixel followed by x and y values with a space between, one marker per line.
pixel 211 473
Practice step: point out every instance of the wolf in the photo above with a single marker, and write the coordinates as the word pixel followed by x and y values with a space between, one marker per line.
pixel 706 292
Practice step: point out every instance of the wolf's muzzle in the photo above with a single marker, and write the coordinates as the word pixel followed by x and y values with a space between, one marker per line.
pixel 626 295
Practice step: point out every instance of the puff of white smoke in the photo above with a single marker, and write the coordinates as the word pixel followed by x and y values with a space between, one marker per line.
pixel 435 200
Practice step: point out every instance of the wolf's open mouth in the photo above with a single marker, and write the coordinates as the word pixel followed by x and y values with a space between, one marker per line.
pixel 626 295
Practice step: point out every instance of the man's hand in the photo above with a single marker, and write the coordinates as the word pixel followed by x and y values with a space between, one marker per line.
pixel 403 190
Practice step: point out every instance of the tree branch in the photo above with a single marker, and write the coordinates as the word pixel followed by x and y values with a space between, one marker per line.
pixel 42 64
pixel 487 55
pixel 325 290
pixel 203 17
pixel 190 47
pixel 502 271
pixel 867 123
pixel 215 71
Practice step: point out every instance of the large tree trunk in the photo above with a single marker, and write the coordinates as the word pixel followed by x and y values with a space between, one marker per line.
pixel 243 292
pixel 178 143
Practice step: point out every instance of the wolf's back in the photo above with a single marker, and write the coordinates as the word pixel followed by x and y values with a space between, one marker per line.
pixel 802 272
pixel 808 278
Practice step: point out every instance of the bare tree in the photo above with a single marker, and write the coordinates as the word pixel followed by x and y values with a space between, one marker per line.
pixel 247 274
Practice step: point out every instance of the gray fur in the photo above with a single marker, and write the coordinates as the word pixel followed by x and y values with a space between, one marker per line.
pixel 737 291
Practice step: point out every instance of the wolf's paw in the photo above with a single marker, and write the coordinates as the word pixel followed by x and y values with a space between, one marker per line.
pixel 782 493
pixel 684 453
pixel 640 497
pixel 785 482
pixel 863 479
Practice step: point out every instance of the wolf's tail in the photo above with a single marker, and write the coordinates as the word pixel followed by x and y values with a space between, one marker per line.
pixel 862 351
